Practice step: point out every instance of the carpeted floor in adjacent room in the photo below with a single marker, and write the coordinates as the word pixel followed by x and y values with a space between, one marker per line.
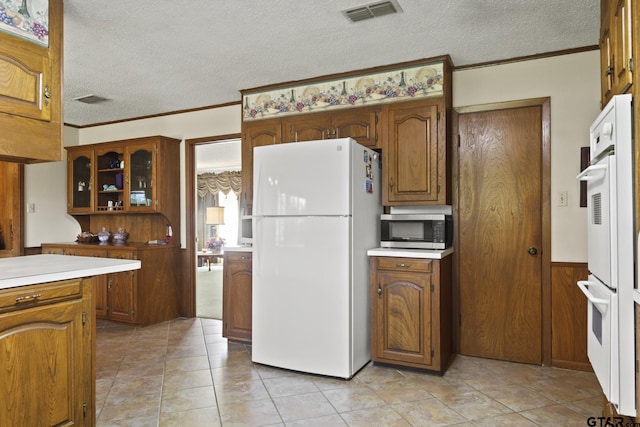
pixel 209 292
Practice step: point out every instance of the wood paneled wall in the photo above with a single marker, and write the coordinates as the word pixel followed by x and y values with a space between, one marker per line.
pixel 568 316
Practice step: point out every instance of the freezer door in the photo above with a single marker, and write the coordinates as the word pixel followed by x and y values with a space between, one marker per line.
pixel 302 294
pixel 303 178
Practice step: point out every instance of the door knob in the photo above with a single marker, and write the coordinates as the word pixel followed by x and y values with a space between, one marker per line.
pixel 532 251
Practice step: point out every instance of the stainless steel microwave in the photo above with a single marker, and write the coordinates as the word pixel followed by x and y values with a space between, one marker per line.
pixel 416 231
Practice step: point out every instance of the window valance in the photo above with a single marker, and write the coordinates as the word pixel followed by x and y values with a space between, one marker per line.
pixel 212 183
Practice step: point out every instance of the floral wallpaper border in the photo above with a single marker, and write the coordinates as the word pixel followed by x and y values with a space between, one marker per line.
pixel 425 80
pixel 28 19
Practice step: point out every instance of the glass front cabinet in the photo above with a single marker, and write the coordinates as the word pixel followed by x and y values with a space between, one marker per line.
pixel 110 180
pixel 141 167
pixel 81 181
pixel 123 176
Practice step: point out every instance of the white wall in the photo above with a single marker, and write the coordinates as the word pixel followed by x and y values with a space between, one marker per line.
pixel 571 81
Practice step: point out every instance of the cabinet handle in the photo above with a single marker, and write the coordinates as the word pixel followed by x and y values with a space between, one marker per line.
pixel 391 183
pixel 295 139
pixel 379 290
pixel 609 71
pixel 244 257
pixel 403 265
pixel 47 94
pixel 27 298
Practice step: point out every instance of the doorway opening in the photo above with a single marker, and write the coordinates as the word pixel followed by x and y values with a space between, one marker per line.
pixel 215 217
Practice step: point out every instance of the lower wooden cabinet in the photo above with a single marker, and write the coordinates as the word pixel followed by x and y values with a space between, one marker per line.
pixel 236 296
pixel 47 351
pixel 411 312
pixel 146 296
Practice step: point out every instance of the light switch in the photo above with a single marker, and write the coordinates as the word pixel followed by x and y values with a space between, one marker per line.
pixel 31 207
pixel 564 198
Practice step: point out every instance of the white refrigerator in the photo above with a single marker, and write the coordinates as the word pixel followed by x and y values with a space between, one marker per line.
pixel 316 212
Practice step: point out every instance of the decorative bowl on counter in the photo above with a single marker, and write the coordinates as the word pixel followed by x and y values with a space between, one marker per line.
pixel 87 237
pixel 120 236
pixel 104 235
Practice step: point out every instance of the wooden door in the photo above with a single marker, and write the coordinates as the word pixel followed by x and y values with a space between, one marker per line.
pixel 500 233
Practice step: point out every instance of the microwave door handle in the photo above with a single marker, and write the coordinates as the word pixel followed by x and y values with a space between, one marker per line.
pixel 600 303
pixel 586 175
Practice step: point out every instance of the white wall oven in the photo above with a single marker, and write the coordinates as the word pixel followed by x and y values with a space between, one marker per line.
pixel 610 231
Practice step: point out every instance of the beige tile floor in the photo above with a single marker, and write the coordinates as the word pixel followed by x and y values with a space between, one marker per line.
pixel 184 373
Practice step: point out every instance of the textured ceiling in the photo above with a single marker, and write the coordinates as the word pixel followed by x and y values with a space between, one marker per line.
pixel 157 56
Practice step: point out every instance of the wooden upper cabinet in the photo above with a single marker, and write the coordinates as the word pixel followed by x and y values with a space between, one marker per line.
pixel 414 166
pixel 256 134
pixel 142 165
pixel 307 127
pixel 81 184
pixel 616 47
pixel 361 124
pixel 31 94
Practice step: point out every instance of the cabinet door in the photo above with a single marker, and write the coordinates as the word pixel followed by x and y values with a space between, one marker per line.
pixel 80 181
pixel 121 296
pixel 11 202
pixel 307 127
pixel 236 310
pixel 30 88
pixel 121 290
pixel 109 179
pixel 100 295
pixel 41 355
pixel 361 124
pixel 621 25
pixel 140 182
pixel 412 171
pixel 402 318
pixel 606 66
pixel 256 134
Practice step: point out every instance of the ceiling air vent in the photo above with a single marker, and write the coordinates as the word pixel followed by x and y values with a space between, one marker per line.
pixel 90 99
pixel 372 10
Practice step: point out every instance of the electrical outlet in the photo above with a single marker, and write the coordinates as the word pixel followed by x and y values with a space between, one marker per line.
pixel 564 199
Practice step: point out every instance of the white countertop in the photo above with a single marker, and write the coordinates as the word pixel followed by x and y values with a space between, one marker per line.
pixel 237 248
pixel 411 253
pixel 33 269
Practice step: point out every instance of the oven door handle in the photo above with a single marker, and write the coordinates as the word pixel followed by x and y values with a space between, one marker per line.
pixel 587 174
pixel 600 303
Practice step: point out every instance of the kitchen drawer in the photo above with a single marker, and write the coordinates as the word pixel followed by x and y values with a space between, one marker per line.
pixel 101 253
pixel 237 256
pixel 124 254
pixel 405 264
pixel 26 296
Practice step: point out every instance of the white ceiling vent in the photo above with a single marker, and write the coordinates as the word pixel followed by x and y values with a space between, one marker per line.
pixel 90 99
pixel 372 10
